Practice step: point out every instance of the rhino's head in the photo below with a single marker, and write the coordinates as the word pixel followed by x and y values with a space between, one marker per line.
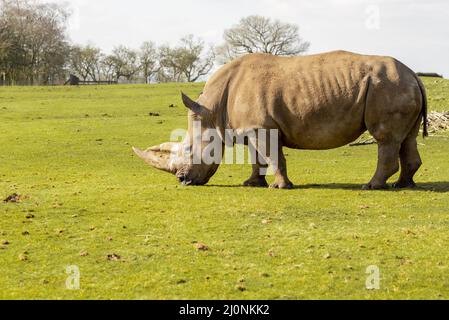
pixel 178 158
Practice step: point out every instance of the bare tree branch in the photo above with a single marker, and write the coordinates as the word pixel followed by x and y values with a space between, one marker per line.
pixel 187 62
pixel 33 42
pixel 259 34
pixel 148 59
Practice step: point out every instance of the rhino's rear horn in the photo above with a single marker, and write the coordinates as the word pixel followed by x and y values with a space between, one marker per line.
pixel 166 147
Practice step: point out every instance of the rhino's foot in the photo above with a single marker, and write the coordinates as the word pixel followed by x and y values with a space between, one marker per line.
pixel 404 184
pixel 372 186
pixel 260 182
pixel 282 185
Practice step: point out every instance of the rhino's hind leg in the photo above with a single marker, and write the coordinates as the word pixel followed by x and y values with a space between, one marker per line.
pixel 390 119
pixel 410 163
pixel 388 165
pixel 257 179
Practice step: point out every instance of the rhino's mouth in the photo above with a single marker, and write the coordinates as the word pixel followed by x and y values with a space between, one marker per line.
pixel 184 180
pixel 190 180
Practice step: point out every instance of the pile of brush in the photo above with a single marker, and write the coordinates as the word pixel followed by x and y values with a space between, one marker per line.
pixel 438 121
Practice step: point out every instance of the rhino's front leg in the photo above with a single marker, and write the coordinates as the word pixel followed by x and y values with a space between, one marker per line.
pixel 281 180
pixel 257 179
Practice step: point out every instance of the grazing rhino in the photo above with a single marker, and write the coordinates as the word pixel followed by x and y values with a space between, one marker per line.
pixel 315 102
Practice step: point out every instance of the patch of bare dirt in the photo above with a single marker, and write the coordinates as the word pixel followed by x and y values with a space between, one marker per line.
pixel 201 246
pixel 114 257
pixel 14 198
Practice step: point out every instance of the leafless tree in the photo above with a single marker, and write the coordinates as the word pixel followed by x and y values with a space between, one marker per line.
pixel 6 44
pixel 187 62
pixel 169 71
pixel 107 68
pixel 196 63
pixel 148 59
pixel 34 43
pixel 124 62
pixel 260 34
pixel 85 61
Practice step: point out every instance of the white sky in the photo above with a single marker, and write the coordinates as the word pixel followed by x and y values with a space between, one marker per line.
pixel 415 32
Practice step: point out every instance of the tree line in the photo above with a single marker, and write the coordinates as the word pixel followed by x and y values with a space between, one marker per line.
pixel 35 49
pixel 186 62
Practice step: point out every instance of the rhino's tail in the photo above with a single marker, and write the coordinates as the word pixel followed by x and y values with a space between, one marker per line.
pixel 424 107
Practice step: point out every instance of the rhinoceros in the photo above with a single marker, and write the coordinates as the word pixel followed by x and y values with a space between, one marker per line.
pixel 315 102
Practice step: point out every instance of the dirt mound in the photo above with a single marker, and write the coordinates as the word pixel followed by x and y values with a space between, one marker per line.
pixel 14 198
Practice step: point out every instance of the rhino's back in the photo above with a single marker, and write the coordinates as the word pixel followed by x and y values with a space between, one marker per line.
pixel 317 101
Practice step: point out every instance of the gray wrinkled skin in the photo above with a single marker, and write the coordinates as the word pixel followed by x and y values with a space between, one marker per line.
pixel 316 102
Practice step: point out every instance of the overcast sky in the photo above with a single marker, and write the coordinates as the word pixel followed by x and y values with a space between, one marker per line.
pixel 415 32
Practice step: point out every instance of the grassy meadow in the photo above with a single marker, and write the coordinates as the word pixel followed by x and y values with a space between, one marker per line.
pixel 133 231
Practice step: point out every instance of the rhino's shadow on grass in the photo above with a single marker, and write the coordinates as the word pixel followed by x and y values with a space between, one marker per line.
pixel 439 186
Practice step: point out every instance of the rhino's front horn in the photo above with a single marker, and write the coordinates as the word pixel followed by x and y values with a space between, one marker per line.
pixel 159 157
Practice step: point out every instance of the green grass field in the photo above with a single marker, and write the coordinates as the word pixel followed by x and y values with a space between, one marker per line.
pixel 86 197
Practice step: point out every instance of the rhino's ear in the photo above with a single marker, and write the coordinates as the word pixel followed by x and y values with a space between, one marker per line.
pixel 194 106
